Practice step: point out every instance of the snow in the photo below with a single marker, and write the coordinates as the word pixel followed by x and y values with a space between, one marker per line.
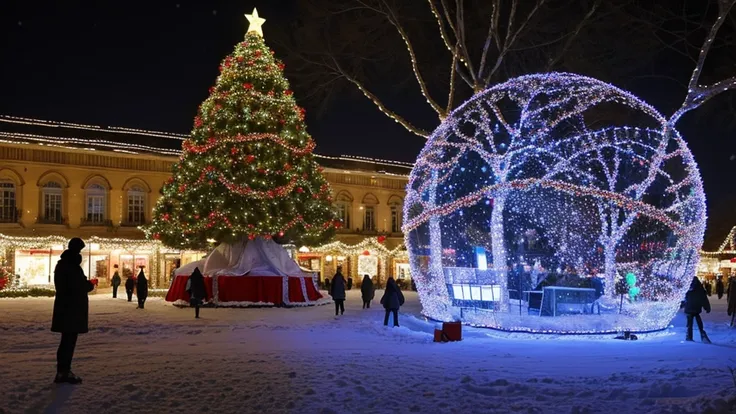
pixel 284 360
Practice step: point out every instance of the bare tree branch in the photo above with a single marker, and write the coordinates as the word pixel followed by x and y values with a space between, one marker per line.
pixel 415 67
pixel 699 94
pixel 571 36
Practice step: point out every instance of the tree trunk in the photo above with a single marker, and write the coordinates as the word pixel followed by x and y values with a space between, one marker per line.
pixel 609 251
pixel 436 288
pixel 498 246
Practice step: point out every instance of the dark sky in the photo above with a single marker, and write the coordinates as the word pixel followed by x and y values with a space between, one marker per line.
pixel 149 65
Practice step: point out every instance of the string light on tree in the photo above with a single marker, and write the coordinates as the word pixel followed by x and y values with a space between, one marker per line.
pixel 247 170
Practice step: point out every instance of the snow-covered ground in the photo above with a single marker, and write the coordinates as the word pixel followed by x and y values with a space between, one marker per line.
pixel 303 360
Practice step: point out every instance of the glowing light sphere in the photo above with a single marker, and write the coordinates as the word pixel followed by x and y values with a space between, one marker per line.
pixel 532 201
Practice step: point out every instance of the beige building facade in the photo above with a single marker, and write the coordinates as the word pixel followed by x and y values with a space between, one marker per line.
pixel 101 186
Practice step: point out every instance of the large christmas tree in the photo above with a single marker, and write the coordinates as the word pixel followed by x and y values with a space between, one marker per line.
pixel 248 169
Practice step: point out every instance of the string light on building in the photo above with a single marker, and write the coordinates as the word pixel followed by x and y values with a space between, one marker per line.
pixel 547 155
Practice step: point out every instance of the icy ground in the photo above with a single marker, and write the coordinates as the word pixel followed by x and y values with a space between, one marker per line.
pixel 161 360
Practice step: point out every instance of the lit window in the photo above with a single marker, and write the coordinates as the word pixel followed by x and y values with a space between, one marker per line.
pixel 52 199
pixel 369 218
pixel 8 212
pixel 96 196
pixel 136 206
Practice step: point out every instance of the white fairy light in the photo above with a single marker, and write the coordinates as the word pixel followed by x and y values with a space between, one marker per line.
pixel 520 156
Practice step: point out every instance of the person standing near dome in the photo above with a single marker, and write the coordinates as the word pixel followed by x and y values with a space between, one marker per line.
pixel 695 301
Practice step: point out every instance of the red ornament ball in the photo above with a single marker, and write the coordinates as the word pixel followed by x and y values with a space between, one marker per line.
pixel 156 236
pixel 299 190
pixel 248 86
pixel 250 158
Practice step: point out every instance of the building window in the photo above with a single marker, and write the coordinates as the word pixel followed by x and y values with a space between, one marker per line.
pixel 8 213
pixel 52 194
pixel 343 214
pixel 136 206
pixel 96 195
pixel 369 218
pixel 395 219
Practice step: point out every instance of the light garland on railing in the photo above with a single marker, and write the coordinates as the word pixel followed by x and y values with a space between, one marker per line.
pixel 80 141
pixel 96 128
pixel 609 198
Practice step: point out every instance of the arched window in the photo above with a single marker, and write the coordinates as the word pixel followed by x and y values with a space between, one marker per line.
pixel 96 204
pixel 369 212
pixel 395 204
pixel 136 206
pixel 8 210
pixel 51 193
pixel 344 204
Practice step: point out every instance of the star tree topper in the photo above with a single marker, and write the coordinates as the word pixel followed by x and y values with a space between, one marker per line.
pixel 255 22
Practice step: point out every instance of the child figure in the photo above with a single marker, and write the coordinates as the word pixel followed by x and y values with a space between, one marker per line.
pixel 196 290
pixel 367 291
pixel 142 289
pixel 392 300
pixel 129 285
pixel 695 301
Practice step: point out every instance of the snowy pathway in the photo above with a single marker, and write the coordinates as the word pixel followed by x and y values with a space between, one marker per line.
pixel 161 360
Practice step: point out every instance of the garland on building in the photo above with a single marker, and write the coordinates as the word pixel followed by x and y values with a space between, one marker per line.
pixel 248 169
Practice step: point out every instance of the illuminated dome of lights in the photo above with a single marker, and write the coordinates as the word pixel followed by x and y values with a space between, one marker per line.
pixel 554 203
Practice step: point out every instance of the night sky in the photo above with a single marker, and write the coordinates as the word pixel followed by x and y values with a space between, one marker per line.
pixel 149 65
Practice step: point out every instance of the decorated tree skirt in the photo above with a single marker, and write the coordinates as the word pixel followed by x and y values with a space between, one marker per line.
pixel 251 291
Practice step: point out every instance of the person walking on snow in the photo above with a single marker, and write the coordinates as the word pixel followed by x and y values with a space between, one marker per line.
pixel 695 301
pixel 337 291
pixel 196 290
pixel 367 291
pixel 732 299
pixel 142 289
pixel 71 308
pixel 129 285
pixel 350 283
pixel 719 288
pixel 115 282
pixel 392 300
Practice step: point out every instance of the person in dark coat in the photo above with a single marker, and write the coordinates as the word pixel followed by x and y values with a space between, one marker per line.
pixel 392 300
pixel 141 289
pixel 197 291
pixel 350 283
pixel 367 291
pixel 708 288
pixel 71 308
pixel 129 286
pixel 695 301
pixel 732 299
pixel 115 282
pixel 337 291
pixel 719 288
pixel 327 284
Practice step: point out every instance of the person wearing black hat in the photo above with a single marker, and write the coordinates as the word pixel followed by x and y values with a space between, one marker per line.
pixel 71 308
pixel 115 282
pixel 141 289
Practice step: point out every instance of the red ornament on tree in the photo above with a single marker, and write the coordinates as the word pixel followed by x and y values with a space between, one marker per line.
pixel 233 150
pixel 250 158
pixel 248 86
pixel 156 236
pixel 288 92
pixel 281 66
pixel 299 190
pixel 381 239
pixel 240 58
pixel 258 53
